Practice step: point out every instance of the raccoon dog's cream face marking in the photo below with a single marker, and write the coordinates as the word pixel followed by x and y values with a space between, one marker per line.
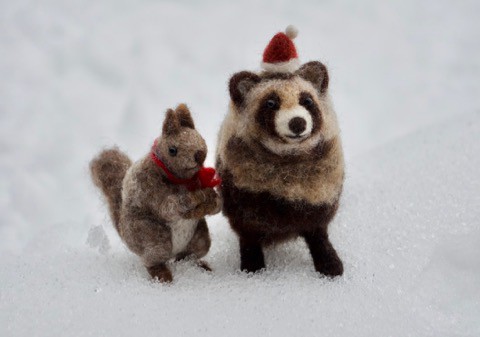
pixel 284 112
pixel 294 124
pixel 291 119
pixel 287 117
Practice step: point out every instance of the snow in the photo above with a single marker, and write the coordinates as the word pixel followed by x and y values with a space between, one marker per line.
pixel 79 76
pixel 97 238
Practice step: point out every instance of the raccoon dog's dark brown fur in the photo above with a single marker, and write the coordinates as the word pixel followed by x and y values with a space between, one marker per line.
pixel 281 160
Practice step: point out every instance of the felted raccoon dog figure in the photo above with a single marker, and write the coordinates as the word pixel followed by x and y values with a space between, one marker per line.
pixel 158 203
pixel 280 157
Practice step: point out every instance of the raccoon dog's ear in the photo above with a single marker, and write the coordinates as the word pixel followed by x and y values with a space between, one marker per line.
pixel 184 116
pixel 316 73
pixel 171 125
pixel 240 84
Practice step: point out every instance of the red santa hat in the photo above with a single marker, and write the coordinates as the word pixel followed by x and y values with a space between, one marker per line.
pixel 280 54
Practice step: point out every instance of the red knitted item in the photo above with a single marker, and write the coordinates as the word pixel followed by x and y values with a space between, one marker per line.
pixel 279 49
pixel 204 178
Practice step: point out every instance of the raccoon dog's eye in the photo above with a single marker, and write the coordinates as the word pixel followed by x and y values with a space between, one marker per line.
pixel 172 150
pixel 270 103
pixel 307 101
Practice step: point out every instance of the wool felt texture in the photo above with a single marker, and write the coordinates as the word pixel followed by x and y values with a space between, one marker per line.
pixel 155 215
pixel 279 49
pixel 277 187
pixel 206 177
pixel 246 117
pixel 280 55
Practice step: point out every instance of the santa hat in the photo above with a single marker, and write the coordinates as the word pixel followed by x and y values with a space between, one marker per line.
pixel 280 54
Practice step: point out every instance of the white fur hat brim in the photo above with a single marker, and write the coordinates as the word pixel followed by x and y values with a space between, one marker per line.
pixel 282 67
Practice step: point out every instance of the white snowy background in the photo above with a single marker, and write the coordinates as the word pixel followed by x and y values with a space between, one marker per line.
pixel 77 76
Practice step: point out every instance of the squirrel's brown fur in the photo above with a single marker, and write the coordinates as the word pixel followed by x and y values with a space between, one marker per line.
pixel 108 170
pixel 159 220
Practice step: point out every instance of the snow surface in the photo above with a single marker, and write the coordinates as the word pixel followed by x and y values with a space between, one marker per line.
pixel 78 76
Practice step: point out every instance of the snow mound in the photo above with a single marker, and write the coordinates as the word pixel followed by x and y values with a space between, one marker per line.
pixel 77 76
pixel 407 231
pixel 97 238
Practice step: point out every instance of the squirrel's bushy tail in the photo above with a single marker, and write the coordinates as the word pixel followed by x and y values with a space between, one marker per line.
pixel 108 169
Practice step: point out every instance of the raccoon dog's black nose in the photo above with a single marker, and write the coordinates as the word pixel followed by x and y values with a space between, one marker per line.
pixel 297 125
pixel 200 157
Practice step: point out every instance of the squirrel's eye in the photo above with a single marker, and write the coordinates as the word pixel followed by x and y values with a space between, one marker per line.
pixel 270 103
pixel 308 101
pixel 172 150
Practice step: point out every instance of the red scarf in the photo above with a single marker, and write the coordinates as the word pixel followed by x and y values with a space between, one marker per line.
pixel 205 177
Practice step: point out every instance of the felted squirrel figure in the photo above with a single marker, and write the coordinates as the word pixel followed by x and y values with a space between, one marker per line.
pixel 159 203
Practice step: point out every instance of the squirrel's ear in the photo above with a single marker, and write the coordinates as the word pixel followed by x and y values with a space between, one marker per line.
pixel 171 125
pixel 316 73
pixel 240 84
pixel 184 116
